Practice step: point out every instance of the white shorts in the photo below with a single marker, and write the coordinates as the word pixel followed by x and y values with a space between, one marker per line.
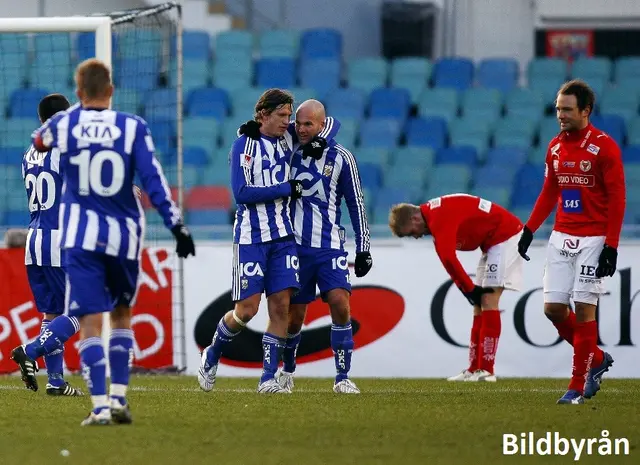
pixel 570 269
pixel 501 266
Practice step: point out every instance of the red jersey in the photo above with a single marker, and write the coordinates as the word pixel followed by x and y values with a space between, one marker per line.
pixel 584 179
pixel 466 222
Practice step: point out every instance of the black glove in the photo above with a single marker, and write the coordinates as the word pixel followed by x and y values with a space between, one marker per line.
pixel 296 189
pixel 251 129
pixel 525 242
pixel 475 296
pixel 184 241
pixel 364 262
pixel 315 148
pixel 607 261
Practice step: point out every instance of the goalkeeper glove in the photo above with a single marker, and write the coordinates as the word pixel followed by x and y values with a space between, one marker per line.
pixel 607 261
pixel 525 242
pixel 251 129
pixel 184 241
pixel 315 148
pixel 296 189
pixel 363 264
pixel 475 296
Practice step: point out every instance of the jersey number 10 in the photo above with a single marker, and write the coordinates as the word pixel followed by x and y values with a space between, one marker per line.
pixel 90 172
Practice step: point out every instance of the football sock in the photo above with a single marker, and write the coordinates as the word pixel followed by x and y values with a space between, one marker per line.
pixel 120 360
pixel 474 343
pixel 221 338
pixel 94 371
pixel 489 337
pixel 289 353
pixel 342 346
pixel 584 349
pixel 272 347
pixel 53 335
pixel 566 327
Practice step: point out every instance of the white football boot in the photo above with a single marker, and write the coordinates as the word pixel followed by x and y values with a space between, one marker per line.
pixel 102 418
pixel 346 386
pixel 285 379
pixel 462 376
pixel 206 373
pixel 482 376
pixel 271 386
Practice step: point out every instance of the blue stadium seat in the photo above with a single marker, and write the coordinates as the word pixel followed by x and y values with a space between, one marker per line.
pixel 276 72
pixel 279 43
pixel 527 185
pixel 367 74
pixel 195 73
pixel 218 172
pixel 23 103
pixel 389 103
pixel 632 174
pixel 498 195
pixel 321 75
pixel 421 158
pixel 627 67
pixel 126 100
pixel 86 45
pixel 10 156
pixel 208 217
pixel 140 42
pixel 405 177
pixel 379 132
pixel 233 43
pixel 232 74
pixel 390 196
pixel 137 73
pixel 374 155
pixel 633 131
pixel 348 133
pixel 448 179
pixel 201 132
pixel 17 218
pixel 453 72
pixel 51 76
pixel 346 103
pixel 161 103
pixel 613 125
pixel 537 155
pixel 514 132
pixel 370 175
pixel 506 156
pixel 597 84
pixel 440 102
pixel 620 101
pixel 208 102
pixel 495 176
pixel 17 131
pixel 196 45
pixel 411 73
pixel 482 103
pixel 53 50
pixel 524 102
pixel 14 56
pixel 555 69
pixel 163 132
pixel 549 128
pixel 457 156
pixel 498 73
pixel 630 154
pixel 321 43
pixel 196 156
pixel 230 130
pixel 547 88
pixel 472 125
pixel 300 94
pixel 428 132
pixel 243 101
pixel 594 67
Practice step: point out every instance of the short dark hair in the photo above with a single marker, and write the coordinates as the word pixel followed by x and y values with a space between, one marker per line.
pixel 52 104
pixel 583 93
pixel 271 100
pixel 93 77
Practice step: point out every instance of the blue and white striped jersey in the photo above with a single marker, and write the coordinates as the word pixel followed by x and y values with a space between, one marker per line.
pixel 43 183
pixel 101 151
pixel 316 216
pixel 259 180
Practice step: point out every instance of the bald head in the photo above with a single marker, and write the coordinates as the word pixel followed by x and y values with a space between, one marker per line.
pixel 310 117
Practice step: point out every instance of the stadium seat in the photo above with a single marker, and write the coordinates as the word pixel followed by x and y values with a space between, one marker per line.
pixel 137 73
pixel 453 72
pixel 321 75
pixel 163 132
pixel 279 43
pixel 370 175
pixel 547 88
pixel 473 125
pixel 630 154
pixel 218 172
pixel 448 179
pixel 405 177
pixel 126 100
pixel 346 103
pixel 633 131
pixel 464 155
pixel 514 132
pixel 232 74
pixel 524 102
pixel 620 101
pixel 421 158
pixel 14 56
pixel 208 197
pixel 196 45
pixel 549 128
pixel 537 155
pixel 233 43
pixel 482 103
pixel 276 72
pixel 195 73
pixel 300 94
pixel 10 156
pixel 140 42
pixel 201 131
pixel 498 195
pixel 613 125
pixel 440 102
pixel 498 73
pixel 506 156
pixel 348 133
pixel 17 131
pixel 196 156
pixel 23 103
pixel 321 43
pixel 208 102
pixel 85 45
pixel 161 103
pixel 208 217
pixel 379 132
pixel 593 67
pixel 428 132
pixel 377 156
pixel 627 68
pixel 554 69
pixel 243 101
pixel 390 103
pixel 17 218
pixel 367 74
pixel 53 50
pixel 411 73
pixel 495 176
pixel 527 185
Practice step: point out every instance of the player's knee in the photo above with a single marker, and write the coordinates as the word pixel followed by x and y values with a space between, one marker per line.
pixel 278 304
pixel 121 317
pixel 297 313
pixel 491 301
pixel 338 301
pixel 585 306
pixel 245 310
pixel 556 311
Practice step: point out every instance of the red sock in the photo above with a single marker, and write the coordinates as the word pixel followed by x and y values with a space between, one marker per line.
pixel 489 337
pixel 474 343
pixel 585 347
pixel 566 327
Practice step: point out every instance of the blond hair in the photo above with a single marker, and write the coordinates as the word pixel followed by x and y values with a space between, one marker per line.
pixel 400 217
pixel 93 77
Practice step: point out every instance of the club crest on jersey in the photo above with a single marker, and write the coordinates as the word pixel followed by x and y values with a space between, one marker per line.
pixel 585 165
pixel 284 145
pixel 328 169
pixel 245 160
pixel 96 132
pixel 594 149
pixel 244 283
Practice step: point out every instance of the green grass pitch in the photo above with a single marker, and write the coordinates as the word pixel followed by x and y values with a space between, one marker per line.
pixel 396 421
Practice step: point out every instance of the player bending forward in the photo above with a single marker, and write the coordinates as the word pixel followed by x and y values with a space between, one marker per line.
pixel 466 222
pixel 103 227
pixel 45 264
pixel 584 179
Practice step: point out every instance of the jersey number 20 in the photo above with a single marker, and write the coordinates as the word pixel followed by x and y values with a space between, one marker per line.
pixel 36 185
pixel 90 172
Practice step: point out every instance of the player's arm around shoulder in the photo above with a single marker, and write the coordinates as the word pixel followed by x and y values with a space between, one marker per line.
pixel 46 136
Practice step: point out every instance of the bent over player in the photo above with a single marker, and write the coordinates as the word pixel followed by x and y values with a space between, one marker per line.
pixel 584 180
pixel 466 222
pixel 103 227
pixel 45 263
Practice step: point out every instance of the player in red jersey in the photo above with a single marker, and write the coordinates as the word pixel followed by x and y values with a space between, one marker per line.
pixel 465 222
pixel 584 180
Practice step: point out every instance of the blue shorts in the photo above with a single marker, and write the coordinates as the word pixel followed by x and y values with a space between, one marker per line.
pixel 328 268
pixel 47 286
pixel 269 268
pixel 98 282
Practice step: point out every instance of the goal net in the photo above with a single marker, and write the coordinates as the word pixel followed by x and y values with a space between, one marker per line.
pixel 38 57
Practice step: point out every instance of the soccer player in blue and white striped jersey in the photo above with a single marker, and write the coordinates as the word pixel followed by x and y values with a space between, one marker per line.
pixel 327 178
pixel 42 175
pixel 264 250
pixel 102 227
